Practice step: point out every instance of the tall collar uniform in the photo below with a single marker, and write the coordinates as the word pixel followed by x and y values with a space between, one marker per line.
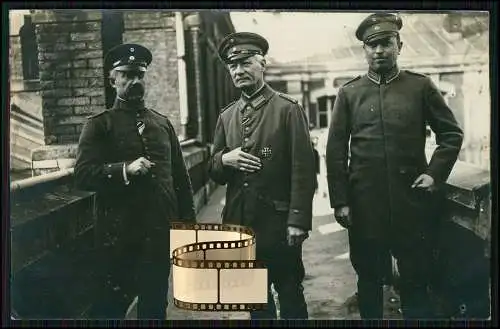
pixel 386 78
pixel 123 104
pixel 257 99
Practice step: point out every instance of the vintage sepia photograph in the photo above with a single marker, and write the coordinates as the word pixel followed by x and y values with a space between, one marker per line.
pixel 346 152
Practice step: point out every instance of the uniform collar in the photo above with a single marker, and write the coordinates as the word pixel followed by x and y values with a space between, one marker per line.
pixel 126 105
pixel 389 76
pixel 259 98
pixel 244 95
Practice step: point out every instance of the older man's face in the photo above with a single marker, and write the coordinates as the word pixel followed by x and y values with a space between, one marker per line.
pixel 247 72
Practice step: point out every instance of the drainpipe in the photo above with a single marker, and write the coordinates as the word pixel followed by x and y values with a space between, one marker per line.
pixel 181 70
pixel 193 23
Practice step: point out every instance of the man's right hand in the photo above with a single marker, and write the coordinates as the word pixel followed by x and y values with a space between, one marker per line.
pixel 241 160
pixel 139 166
pixel 342 216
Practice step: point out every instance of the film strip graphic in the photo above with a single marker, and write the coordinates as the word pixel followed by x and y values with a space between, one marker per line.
pixel 214 268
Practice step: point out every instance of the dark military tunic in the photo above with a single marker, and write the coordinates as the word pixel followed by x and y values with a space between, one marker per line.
pixel 386 124
pixel 273 127
pixel 133 220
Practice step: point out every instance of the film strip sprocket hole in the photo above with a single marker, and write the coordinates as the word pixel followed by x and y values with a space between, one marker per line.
pixel 214 268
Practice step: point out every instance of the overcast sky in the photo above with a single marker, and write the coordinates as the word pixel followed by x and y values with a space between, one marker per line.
pixel 295 35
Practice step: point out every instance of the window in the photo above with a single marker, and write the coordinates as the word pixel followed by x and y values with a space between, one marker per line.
pixel 29 50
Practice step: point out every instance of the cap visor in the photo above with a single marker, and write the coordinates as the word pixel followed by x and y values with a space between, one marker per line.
pixel 379 36
pixel 238 57
pixel 130 68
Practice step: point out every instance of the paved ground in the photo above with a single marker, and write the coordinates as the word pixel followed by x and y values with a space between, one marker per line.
pixel 330 279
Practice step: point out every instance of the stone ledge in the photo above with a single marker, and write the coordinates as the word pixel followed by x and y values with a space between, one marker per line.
pixel 52 152
pixel 468 194
pixel 194 155
pixel 42 221
pixel 466 183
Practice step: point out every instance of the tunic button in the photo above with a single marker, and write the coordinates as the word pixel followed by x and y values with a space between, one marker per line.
pixel 246 128
pixel 109 176
pixel 295 211
pixel 246 139
pixel 153 175
pixel 245 184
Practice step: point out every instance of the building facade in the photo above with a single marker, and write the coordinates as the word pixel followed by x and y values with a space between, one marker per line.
pixel 453 49
pixel 57 77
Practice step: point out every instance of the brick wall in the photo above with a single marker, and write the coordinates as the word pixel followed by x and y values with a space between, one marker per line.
pixel 16 65
pixel 72 80
pixel 156 31
pixel 71 74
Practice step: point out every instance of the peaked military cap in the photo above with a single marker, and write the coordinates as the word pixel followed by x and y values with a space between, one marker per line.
pixel 128 57
pixel 378 25
pixel 242 45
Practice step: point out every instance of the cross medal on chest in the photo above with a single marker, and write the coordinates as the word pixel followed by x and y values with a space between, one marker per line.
pixel 266 152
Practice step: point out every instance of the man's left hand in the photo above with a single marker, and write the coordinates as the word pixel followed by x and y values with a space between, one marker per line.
pixel 296 236
pixel 424 182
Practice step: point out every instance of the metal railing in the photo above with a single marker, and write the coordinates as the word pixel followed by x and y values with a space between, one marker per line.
pixel 56 175
pixel 46 178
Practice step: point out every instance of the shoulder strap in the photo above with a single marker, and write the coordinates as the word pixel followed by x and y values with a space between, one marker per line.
pixel 352 80
pixel 416 73
pixel 288 98
pixel 227 106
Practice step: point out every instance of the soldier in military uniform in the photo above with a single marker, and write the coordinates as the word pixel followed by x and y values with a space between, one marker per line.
pixel 384 194
pixel 262 151
pixel 131 156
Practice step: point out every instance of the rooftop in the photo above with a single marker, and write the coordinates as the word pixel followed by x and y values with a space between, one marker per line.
pixel 425 38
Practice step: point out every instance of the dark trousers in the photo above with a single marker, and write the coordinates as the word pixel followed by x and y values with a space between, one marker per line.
pixel 136 269
pixel 286 272
pixel 369 259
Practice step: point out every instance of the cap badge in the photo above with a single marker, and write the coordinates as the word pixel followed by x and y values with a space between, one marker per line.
pixel 132 50
pixel 131 58
pixel 376 27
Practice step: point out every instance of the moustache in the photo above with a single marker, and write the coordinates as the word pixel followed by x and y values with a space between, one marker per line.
pixel 135 91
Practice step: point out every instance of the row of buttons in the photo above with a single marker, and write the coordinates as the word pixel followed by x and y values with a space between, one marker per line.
pixel 144 141
pixel 246 129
